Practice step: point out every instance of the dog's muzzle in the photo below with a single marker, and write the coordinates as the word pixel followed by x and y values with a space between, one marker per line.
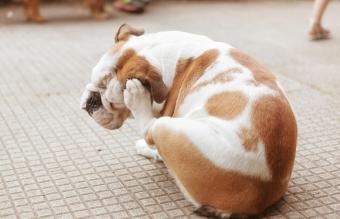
pixel 91 100
pixel 93 103
pixel 101 110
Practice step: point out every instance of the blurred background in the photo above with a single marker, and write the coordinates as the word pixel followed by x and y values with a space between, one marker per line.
pixel 56 162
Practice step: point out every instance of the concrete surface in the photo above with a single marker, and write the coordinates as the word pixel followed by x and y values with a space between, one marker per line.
pixel 55 162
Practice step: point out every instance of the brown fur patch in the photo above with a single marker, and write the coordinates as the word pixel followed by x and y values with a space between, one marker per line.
pixel 130 65
pixel 260 73
pixel 187 73
pixel 170 104
pixel 219 78
pixel 253 82
pixel 113 107
pixel 104 81
pixel 249 138
pixel 209 184
pixel 226 105
pixel 124 58
pixel 148 139
pixel 274 121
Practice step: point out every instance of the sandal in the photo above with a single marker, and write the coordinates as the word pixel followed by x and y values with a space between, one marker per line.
pixel 317 32
pixel 129 6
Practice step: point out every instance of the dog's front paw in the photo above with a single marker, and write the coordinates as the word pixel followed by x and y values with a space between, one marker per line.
pixel 138 99
pixel 144 149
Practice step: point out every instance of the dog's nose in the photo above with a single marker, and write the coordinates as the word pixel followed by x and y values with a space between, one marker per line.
pixel 93 102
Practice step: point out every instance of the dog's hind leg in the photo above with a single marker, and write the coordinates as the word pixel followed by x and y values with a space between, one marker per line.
pixel 197 155
pixel 173 138
pixel 177 140
pixel 146 150
pixel 97 9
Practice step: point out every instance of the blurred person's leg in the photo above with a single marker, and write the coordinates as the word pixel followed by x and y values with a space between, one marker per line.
pixel 97 9
pixel 316 30
pixel 32 11
pixel 130 6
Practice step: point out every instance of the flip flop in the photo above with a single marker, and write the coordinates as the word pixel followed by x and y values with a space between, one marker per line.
pixel 127 7
pixel 317 32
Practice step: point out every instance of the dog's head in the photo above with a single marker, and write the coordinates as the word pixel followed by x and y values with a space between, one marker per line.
pixel 103 97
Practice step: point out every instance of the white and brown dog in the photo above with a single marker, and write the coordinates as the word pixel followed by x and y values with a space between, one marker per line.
pixel 218 119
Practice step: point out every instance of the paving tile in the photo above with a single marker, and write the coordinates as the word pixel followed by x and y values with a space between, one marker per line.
pixel 55 162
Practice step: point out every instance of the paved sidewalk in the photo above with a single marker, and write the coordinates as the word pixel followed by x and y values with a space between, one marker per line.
pixel 56 162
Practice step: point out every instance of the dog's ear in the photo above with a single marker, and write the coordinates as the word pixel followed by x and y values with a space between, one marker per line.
pixel 156 86
pixel 130 66
pixel 151 81
pixel 125 31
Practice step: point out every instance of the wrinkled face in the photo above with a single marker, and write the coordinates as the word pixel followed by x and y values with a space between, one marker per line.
pixel 106 106
pixel 103 97
pixel 105 103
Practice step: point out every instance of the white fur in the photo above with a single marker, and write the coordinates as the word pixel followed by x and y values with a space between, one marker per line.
pixel 163 50
pixel 84 98
pixel 145 150
pixel 104 67
pixel 137 98
pixel 217 139
pixel 114 92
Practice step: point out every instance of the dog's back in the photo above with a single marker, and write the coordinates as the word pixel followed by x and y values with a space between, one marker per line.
pixel 232 144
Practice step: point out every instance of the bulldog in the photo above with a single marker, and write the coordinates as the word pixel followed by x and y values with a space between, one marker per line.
pixel 218 119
